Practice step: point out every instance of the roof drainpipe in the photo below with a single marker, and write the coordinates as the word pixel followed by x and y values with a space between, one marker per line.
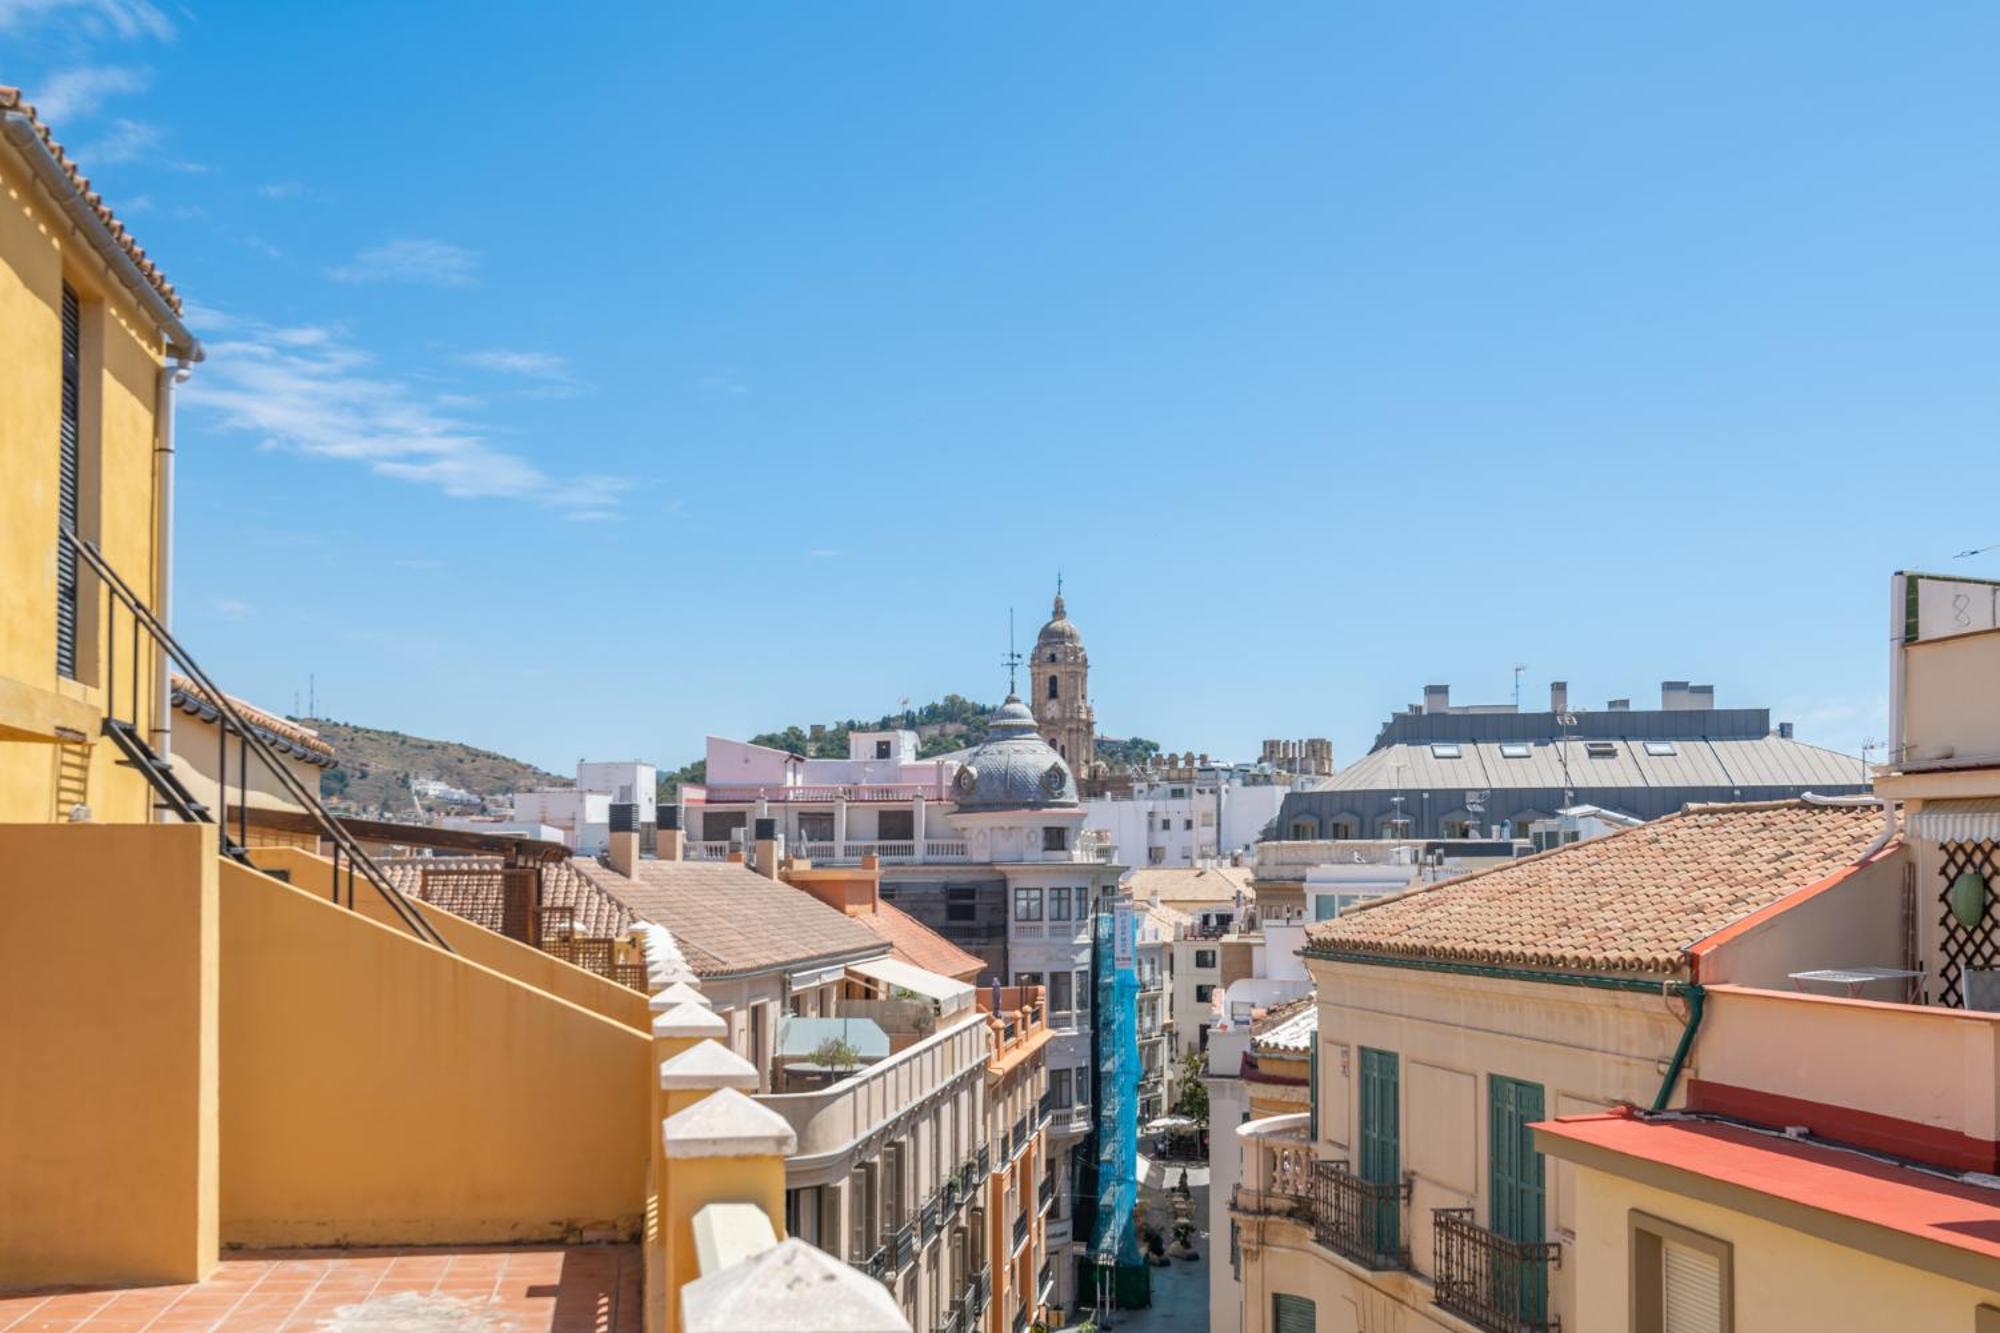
pixel 1695 995
pixel 171 377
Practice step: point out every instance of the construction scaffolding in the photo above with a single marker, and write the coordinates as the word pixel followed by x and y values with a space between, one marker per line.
pixel 1114 1241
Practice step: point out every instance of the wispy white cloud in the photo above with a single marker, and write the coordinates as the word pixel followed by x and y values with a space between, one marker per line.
pixel 428 263
pixel 723 386
pixel 258 245
pixel 281 190
pixel 72 93
pixel 549 375
pixel 94 18
pixel 310 389
pixel 537 365
pixel 127 140
pixel 229 608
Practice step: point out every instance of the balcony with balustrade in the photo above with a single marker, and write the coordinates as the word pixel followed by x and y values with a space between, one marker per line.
pixel 1494 1283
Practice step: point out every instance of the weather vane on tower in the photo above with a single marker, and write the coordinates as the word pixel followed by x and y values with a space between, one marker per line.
pixel 1013 659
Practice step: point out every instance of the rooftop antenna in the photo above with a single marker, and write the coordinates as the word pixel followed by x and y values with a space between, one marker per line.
pixel 1517 686
pixel 1977 550
pixel 1013 659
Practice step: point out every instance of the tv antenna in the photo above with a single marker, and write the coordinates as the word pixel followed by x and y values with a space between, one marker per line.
pixel 1013 659
pixel 1517 687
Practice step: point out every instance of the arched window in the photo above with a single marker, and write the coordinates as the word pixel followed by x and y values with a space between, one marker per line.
pixel 1052 685
pixel 1343 826
pixel 1305 828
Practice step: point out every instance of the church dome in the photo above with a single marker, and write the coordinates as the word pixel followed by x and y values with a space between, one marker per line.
pixel 1014 769
pixel 1060 628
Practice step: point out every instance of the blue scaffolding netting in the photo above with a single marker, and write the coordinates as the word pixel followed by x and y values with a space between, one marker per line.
pixel 1116 1239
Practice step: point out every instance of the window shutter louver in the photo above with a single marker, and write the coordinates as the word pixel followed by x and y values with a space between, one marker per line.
pixel 1692 1300
pixel 68 483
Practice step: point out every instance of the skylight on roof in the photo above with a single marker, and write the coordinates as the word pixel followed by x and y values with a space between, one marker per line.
pixel 1444 752
pixel 1663 749
pixel 1601 749
pixel 1514 750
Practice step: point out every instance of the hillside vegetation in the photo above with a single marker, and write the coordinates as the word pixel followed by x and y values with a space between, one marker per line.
pixel 372 768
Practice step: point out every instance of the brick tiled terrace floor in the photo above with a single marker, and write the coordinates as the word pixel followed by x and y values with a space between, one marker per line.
pixel 552 1289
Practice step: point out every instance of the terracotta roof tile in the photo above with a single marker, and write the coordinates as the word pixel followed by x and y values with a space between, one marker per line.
pixel 729 919
pixel 918 945
pixel 596 914
pixel 11 100
pixel 193 698
pixel 1631 901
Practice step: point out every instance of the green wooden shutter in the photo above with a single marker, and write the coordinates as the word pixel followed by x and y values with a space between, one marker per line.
pixel 1518 1198
pixel 1293 1314
pixel 1381 1137
pixel 68 482
pixel 1312 1090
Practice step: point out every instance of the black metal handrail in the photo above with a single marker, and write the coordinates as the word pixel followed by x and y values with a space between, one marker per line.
pixel 876 1265
pixel 1484 1278
pixel 1361 1219
pixel 1045 1193
pixel 248 740
pixel 985 1159
pixel 1020 1229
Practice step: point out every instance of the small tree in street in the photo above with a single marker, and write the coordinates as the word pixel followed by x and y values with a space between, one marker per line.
pixel 1193 1099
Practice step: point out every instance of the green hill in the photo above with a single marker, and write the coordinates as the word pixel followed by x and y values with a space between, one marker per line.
pixel 372 768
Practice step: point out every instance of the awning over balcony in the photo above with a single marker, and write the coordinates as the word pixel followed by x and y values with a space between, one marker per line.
pixel 1975 819
pixel 951 996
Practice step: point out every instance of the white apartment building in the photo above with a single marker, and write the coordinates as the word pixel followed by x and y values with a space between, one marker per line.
pixel 985 846
pixel 1188 812
pixel 585 813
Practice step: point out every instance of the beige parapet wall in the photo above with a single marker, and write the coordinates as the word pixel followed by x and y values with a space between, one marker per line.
pixel 523 963
pixel 377 1090
pixel 108 1053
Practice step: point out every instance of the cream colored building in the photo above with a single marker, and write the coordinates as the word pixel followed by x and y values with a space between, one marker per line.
pixel 1454 1017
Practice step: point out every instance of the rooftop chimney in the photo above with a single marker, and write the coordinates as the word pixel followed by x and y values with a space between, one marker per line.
pixel 1558 696
pixel 1620 705
pixel 1675 696
pixel 1701 696
pixel 1437 698
pixel 624 850
pixel 1785 730
pixel 667 845
pixel 767 848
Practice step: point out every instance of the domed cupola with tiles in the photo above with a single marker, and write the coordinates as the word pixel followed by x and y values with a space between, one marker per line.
pixel 1014 769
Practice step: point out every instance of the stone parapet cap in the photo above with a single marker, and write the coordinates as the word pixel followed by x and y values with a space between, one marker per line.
pixel 728 1124
pixel 791 1285
pixel 690 1020
pixel 707 1064
pixel 681 992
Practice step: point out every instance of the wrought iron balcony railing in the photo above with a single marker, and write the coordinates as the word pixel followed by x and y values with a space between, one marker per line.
pixel 903 1247
pixel 1020 1229
pixel 1361 1219
pixel 927 1219
pixel 1045 1193
pixel 1501 1285
pixel 985 1159
pixel 876 1265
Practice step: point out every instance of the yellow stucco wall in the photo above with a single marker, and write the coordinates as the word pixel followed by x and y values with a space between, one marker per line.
pixel 1783 1278
pixel 121 360
pixel 377 1090
pixel 108 984
pixel 544 972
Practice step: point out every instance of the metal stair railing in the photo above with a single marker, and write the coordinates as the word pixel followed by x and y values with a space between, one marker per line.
pixel 177 798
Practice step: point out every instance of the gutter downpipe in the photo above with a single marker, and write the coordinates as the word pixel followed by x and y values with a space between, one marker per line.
pixel 1689 990
pixel 171 376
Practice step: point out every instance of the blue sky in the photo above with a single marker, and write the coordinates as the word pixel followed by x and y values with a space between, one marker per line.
pixel 581 386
